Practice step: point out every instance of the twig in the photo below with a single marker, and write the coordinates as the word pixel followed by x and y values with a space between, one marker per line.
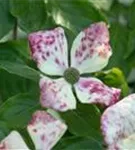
pixel 15 30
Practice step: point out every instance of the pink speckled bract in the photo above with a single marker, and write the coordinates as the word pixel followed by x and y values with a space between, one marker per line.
pixel 45 130
pixel 92 90
pixel 91 49
pixel 49 50
pixel 118 125
pixel 56 94
pixel 90 52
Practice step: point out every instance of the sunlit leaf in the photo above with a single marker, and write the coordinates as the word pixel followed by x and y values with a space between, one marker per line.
pixel 12 58
pixel 6 19
pixel 74 14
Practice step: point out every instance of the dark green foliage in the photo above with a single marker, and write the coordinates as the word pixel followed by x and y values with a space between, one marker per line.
pixel 19 76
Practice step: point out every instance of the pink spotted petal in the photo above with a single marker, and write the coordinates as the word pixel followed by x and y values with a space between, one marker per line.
pixel 45 130
pixel 56 94
pixel 92 90
pixel 91 49
pixel 49 50
pixel 118 125
pixel 125 144
pixel 13 141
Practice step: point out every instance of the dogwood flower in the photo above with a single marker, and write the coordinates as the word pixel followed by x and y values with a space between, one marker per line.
pixel 118 125
pixel 44 130
pixel 90 53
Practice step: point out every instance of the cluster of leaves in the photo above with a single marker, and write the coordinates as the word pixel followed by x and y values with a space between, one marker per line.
pixel 19 90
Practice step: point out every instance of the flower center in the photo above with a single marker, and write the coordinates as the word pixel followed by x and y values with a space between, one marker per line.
pixel 71 75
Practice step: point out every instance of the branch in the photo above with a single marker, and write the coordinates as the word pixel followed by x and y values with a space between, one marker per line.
pixel 15 30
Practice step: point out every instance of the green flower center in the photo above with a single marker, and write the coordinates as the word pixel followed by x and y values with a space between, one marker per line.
pixel 71 75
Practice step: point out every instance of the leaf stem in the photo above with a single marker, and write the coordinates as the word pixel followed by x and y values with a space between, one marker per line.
pixel 15 30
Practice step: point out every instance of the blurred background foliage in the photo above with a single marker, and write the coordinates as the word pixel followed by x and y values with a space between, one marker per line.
pixel 19 75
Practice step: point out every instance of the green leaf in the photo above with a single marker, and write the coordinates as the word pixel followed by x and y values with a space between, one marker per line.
pixel 3 130
pixel 130 55
pixel 17 110
pixel 132 16
pixel 20 70
pixel 74 14
pixel 131 44
pixel 17 50
pixel 104 5
pixel 31 14
pixel 6 20
pixel 24 133
pixel 119 38
pixel 11 84
pixel 84 121
pixel 114 78
pixel 118 14
pixel 21 47
pixel 78 143
pixel 12 57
